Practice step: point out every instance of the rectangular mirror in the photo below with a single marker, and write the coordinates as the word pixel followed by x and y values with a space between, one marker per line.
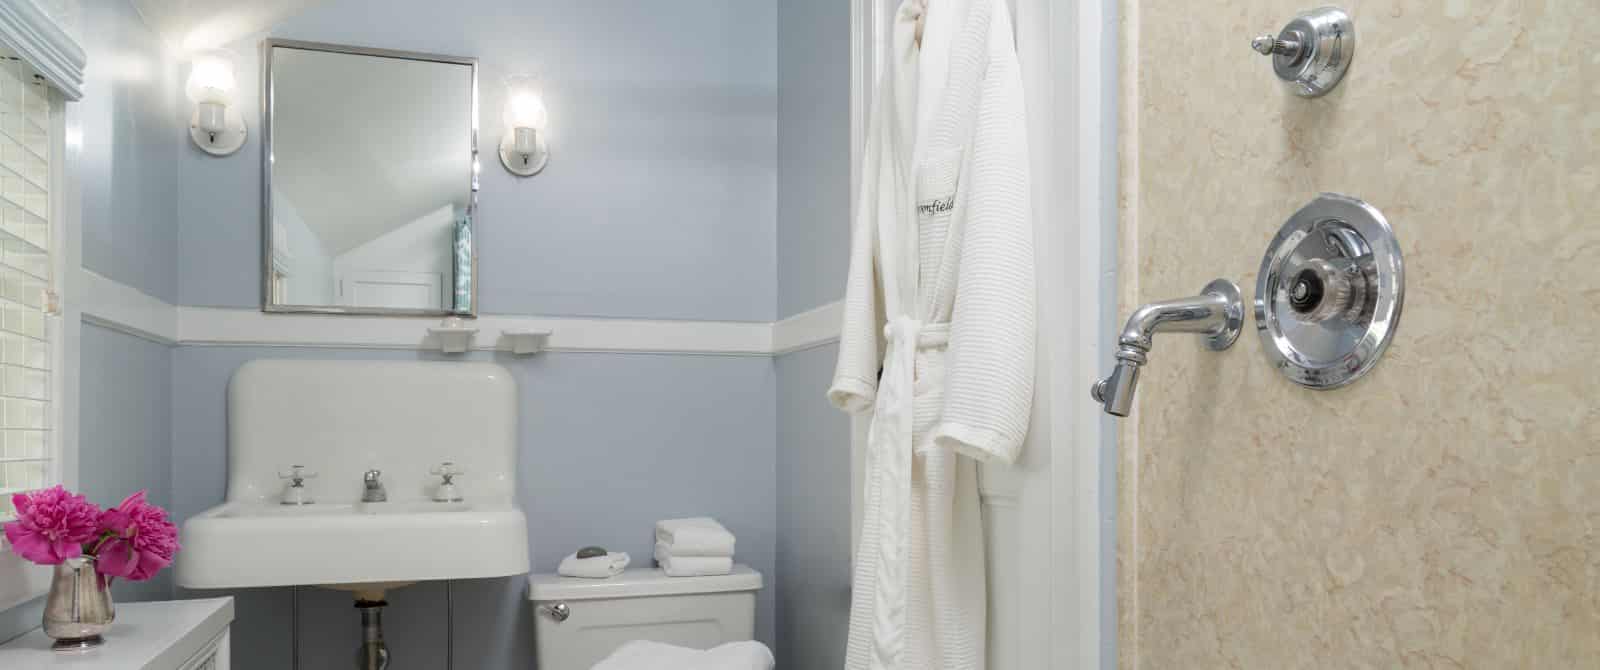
pixel 369 187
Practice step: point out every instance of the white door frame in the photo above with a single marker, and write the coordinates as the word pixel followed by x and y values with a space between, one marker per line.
pixel 1066 487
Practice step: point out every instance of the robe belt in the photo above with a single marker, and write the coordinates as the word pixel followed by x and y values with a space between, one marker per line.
pixel 928 335
pixel 890 451
pixel 903 331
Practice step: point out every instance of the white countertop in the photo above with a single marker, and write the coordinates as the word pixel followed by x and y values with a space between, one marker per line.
pixel 145 636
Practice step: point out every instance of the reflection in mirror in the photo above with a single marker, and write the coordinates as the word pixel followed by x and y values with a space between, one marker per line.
pixel 369 183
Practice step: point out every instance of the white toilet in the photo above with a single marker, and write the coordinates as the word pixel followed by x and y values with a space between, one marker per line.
pixel 578 622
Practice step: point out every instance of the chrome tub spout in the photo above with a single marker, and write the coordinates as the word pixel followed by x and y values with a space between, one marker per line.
pixel 1217 313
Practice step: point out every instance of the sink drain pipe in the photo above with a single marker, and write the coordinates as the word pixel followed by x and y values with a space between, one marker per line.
pixel 374 654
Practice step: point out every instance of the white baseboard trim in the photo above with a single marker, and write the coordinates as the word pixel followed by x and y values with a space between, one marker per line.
pixel 808 329
pixel 120 307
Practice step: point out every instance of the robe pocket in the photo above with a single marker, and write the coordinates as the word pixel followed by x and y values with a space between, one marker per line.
pixel 938 179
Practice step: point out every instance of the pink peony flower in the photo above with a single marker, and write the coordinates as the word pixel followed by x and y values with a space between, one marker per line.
pixel 138 540
pixel 52 525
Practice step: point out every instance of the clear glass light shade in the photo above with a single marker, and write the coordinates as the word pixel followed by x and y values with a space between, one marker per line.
pixel 213 116
pixel 525 104
pixel 211 78
pixel 525 140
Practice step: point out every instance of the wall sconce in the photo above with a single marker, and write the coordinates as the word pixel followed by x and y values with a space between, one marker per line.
pixel 522 146
pixel 216 125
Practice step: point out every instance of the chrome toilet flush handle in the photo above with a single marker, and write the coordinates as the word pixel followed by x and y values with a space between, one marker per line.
pixel 559 611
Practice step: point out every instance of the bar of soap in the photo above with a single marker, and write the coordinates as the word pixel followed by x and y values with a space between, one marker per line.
pixel 591 552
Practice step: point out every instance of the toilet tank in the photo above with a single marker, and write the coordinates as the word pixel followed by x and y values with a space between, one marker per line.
pixel 639 604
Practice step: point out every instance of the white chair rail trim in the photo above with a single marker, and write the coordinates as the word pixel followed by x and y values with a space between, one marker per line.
pixel 36 38
pixel 110 304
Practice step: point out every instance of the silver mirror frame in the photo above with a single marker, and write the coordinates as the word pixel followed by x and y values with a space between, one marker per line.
pixel 470 310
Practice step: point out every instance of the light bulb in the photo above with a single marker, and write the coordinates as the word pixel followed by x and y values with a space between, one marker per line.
pixel 211 78
pixel 525 105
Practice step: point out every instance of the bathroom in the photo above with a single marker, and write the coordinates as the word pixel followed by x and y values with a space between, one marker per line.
pixel 662 274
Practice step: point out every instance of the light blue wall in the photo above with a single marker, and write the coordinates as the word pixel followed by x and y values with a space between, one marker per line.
pixel 129 234
pixel 659 201
pixel 813 249
pixel 124 443
pixel 610 443
pixel 813 514
pixel 125 431
pixel 21 619
pixel 128 112
pixel 813 153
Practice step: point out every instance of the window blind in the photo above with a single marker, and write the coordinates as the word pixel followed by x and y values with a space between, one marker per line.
pixel 26 443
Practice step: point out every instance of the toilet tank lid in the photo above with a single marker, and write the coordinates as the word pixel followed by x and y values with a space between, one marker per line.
pixel 637 583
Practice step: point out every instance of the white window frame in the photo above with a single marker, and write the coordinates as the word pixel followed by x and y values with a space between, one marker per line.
pixel 21 581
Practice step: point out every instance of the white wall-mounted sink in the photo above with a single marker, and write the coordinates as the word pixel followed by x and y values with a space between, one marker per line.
pixel 244 544
pixel 340 419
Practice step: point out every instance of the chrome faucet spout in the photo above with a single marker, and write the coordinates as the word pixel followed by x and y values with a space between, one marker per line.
pixel 374 491
pixel 1217 313
pixel 1204 313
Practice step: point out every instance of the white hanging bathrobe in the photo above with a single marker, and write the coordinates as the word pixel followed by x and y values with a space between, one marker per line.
pixel 942 267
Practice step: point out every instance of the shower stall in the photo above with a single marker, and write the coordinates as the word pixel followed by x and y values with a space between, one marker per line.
pixel 1393 464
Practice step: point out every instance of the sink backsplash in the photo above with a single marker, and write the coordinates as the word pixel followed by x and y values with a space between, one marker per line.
pixel 340 419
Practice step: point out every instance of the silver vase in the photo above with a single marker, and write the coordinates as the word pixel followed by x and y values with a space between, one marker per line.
pixel 78 609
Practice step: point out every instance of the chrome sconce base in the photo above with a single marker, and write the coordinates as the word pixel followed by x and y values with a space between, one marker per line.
pixel 524 164
pixel 223 142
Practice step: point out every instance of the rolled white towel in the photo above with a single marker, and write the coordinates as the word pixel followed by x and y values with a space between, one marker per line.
pixel 647 655
pixel 691 566
pixel 597 567
pixel 695 536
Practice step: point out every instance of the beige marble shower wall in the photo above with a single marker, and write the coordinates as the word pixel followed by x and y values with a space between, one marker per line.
pixel 1442 512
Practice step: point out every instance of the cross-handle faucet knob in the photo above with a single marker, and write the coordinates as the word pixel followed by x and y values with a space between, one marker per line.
pixel 297 475
pixel 447 491
pixel 1285 45
pixel 448 471
pixel 296 493
pixel 1312 52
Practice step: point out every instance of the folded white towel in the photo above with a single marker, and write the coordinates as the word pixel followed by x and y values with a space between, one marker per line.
pixel 691 566
pixel 646 655
pixel 695 536
pixel 597 567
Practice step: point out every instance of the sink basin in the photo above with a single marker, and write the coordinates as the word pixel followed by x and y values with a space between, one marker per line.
pixel 243 544
pixel 340 419
pixel 257 510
